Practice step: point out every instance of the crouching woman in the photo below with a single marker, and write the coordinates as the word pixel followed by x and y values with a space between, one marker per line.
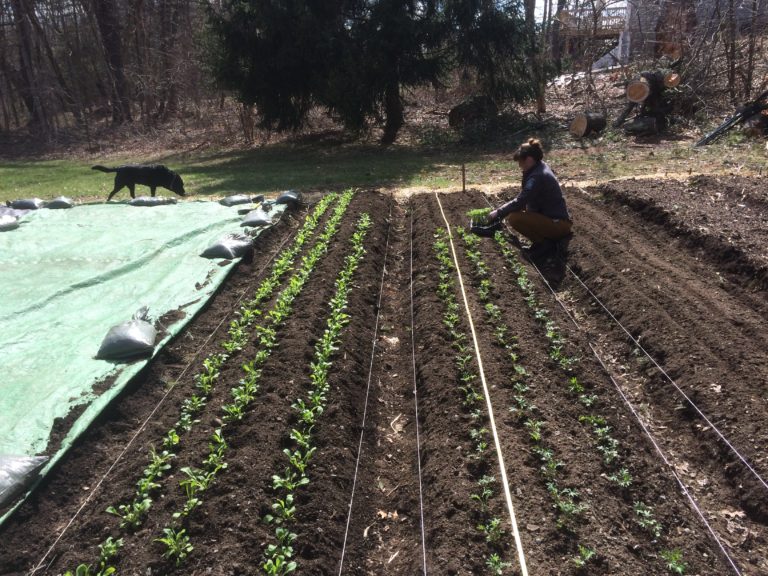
pixel 539 212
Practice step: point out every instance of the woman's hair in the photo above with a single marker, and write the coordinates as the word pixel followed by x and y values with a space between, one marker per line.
pixel 531 148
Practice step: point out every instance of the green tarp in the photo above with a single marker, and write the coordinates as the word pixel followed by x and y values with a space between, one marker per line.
pixel 67 276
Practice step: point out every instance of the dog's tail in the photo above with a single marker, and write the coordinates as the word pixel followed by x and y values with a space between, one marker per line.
pixel 103 169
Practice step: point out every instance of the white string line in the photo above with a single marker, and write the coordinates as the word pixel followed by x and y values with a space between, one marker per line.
pixel 650 436
pixel 656 364
pixel 671 381
pixel 367 394
pixel 416 405
pixel 505 482
pixel 151 414
pixel 645 429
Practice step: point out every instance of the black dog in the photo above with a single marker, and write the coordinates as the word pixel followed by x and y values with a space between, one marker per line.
pixel 153 175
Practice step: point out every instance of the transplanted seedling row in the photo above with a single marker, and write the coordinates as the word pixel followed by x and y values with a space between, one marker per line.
pixel 489 524
pixel 567 501
pixel 617 471
pixel 133 513
pixel 278 556
pixel 175 540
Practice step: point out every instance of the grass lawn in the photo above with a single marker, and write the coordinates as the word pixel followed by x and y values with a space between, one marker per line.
pixel 283 166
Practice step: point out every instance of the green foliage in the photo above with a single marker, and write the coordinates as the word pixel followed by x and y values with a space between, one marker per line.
pixel 674 560
pixel 177 545
pixel 644 517
pixel 496 566
pixel 354 58
pixel 586 555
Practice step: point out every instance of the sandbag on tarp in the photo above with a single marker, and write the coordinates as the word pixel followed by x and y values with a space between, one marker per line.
pixel 256 218
pixel 130 339
pixel 17 472
pixel 59 203
pixel 289 197
pixel 8 222
pixel 241 199
pixel 229 247
pixel 26 204
pixel 152 201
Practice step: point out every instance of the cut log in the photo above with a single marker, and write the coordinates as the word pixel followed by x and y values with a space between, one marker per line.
pixel 671 80
pixel 586 123
pixel 638 90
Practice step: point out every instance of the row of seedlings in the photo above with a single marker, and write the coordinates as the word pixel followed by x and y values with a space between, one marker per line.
pixel 488 524
pixel 278 557
pixel 566 501
pixel 176 541
pixel 133 513
pixel 616 469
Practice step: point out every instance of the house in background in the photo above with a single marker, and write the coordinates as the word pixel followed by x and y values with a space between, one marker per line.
pixel 620 30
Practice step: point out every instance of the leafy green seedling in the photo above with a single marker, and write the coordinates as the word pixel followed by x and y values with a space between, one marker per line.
pixel 674 560
pixel 177 545
pixel 586 555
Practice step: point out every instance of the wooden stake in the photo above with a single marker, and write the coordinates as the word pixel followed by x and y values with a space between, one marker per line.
pixel 463 178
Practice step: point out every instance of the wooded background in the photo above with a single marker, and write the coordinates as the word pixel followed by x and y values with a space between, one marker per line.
pixel 74 64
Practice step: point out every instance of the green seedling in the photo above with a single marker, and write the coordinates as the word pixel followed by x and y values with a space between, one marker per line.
pixel 588 400
pixel 622 478
pixel 177 545
pixel 644 517
pixel 492 530
pixel 485 493
pixel 171 440
pixel 586 555
pixel 534 429
pixel 284 511
pixel 496 566
pixel 478 213
pixel 674 560
pixel 131 515
pixel 278 563
pixel 289 482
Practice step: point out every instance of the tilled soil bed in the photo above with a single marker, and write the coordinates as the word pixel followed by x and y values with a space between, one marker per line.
pixel 404 446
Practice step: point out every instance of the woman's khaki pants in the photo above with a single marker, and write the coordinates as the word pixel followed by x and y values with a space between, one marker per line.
pixel 537 227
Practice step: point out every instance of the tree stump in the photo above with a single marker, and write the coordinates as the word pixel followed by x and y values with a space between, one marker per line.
pixel 586 123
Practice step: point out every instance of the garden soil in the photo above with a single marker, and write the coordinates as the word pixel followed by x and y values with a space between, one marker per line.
pixel 681 265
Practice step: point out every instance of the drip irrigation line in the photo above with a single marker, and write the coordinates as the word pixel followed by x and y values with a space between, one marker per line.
pixel 674 384
pixel 636 415
pixel 416 404
pixel 367 395
pixel 141 428
pixel 489 406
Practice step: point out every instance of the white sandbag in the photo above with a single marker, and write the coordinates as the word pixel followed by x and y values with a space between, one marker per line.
pixel 229 247
pixel 241 199
pixel 26 204
pixel 152 201
pixel 60 203
pixel 16 473
pixel 256 218
pixel 289 197
pixel 8 222
pixel 8 211
pixel 130 339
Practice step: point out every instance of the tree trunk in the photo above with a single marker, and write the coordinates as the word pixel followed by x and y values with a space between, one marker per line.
pixel 65 91
pixel 393 108
pixel 731 51
pixel 31 89
pixel 557 43
pixel 107 20
pixel 533 55
pixel 168 33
